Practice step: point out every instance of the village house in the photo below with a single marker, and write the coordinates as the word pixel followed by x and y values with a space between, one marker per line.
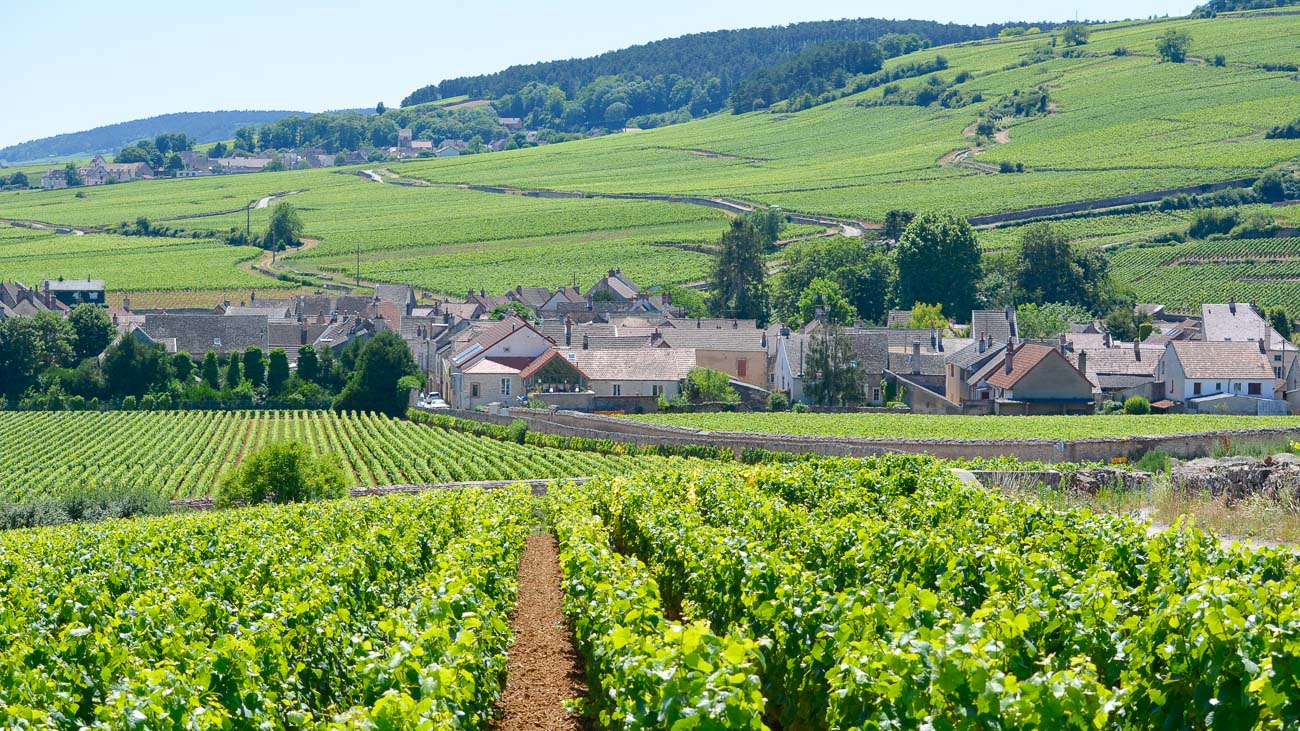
pixel 1234 377
pixel 73 292
pixel 1120 371
pixel 54 179
pixel 99 172
pixel 1039 379
pixel 17 300
pixel 1235 323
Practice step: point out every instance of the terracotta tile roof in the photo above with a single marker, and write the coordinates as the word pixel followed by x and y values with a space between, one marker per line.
pixel 1236 360
pixel 1025 359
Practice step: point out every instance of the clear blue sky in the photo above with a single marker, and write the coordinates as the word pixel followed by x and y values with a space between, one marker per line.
pixel 69 65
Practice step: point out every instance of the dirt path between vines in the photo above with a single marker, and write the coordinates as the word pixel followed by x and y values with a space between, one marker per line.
pixel 544 668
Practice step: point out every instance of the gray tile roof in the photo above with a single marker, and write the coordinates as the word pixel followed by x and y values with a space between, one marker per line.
pixel 871 350
pixel 197 334
pixel 992 322
pixel 731 340
pixel 971 357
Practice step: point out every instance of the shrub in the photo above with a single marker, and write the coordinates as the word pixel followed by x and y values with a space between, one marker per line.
pixel 1219 60
pixel 1112 407
pixel 129 403
pixel 283 472
pixel 1137 406
pixel 800 408
pixel 517 432
pixel 1156 461
pixel 88 504
pixel 777 401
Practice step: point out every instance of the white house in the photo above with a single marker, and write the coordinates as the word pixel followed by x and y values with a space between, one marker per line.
pixel 1195 369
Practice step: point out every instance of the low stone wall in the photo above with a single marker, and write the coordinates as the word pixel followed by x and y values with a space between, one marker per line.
pixel 1182 446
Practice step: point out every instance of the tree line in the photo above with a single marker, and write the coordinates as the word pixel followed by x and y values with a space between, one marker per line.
pixel 80 362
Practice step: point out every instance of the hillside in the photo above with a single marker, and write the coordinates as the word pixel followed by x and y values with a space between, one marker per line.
pixel 676 79
pixel 204 126
pixel 1115 121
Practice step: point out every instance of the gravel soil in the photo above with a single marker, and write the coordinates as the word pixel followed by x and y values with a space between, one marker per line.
pixel 544 668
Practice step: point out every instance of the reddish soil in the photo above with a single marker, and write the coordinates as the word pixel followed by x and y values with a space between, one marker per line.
pixel 544 668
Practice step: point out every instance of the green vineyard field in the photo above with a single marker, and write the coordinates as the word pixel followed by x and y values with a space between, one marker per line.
pixel 1265 272
pixel 884 594
pixel 355 614
pixel 183 454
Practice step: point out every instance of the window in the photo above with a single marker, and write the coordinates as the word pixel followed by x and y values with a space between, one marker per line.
pixel 1277 359
pixel 1218 387
pixel 618 389
pixel 1236 386
pixel 1253 389
pixel 1196 388
pixel 505 386
pixel 1277 372
pixel 742 365
pixel 875 394
pixel 656 390
pixel 473 390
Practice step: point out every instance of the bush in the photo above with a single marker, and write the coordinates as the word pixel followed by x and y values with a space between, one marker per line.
pixel 1137 406
pixel 1112 407
pixel 800 408
pixel 517 432
pixel 89 504
pixel 128 403
pixel 1157 461
pixel 283 472
pixel 148 402
pixel 777 401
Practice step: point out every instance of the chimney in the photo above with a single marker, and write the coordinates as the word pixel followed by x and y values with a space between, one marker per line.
pixel 819 313
pixel 981 343
pixel 735 324
pixel 934 338
pixel 114 319
pixel 1083 362
pixel 1008 312
pixel 568 332
pixel 1062 343
pixel 785 332
pixel 126 303
pixel 1137 351
pixel 1106 339
pixel 586 342
pixel 764 339
pixel 698 324
pixel 469 295
pixel 1232 306
pixel 252 296
pixel 1010 360
pixel 916 357
pixel 1263 348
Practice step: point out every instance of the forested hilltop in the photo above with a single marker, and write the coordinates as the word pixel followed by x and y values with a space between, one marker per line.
pixel 201 126
pixel 679 78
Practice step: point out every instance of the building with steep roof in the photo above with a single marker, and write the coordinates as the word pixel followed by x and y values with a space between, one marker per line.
pixel 1039 379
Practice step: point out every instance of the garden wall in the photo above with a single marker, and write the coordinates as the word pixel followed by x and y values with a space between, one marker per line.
pixel 1182 446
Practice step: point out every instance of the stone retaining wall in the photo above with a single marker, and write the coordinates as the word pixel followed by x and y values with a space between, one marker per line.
pixel 1182 446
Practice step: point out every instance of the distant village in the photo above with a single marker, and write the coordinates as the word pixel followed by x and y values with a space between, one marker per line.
pixel 194 164
pixel 615 347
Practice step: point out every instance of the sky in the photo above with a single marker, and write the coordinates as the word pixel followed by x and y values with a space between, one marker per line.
pixel 70 65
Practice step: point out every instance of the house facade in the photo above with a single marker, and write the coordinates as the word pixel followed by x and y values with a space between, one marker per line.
pixel 1194 370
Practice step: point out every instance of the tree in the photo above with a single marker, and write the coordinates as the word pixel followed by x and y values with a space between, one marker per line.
pixel 19 361
pixel 896 222
pixel 175 163
pixel 521 310
pixel 1122 324
pixel 92 331
pixel 938 260
pixel 380 108
pixel 616 115
pixel 1173 45
pixel 864 274
pixel 307 363
pixel 132 368
pixel 254 366
pixel 244 138
pixel 285 227
pixel 283 472
pixel 831 375
pixel 183 367
pixel 825 294
pixel 924 316
pixel 218 150
pixel 71 176
pixel 211 371
pixel 1038 322
pixel 1280 319
pixel 233 374
pixel 707 386
pixel 19 180
pixel 383 361
pixel 1074 34
pixel 53 338
pixel 737 287
pixel 1046 270
pixel 277 371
